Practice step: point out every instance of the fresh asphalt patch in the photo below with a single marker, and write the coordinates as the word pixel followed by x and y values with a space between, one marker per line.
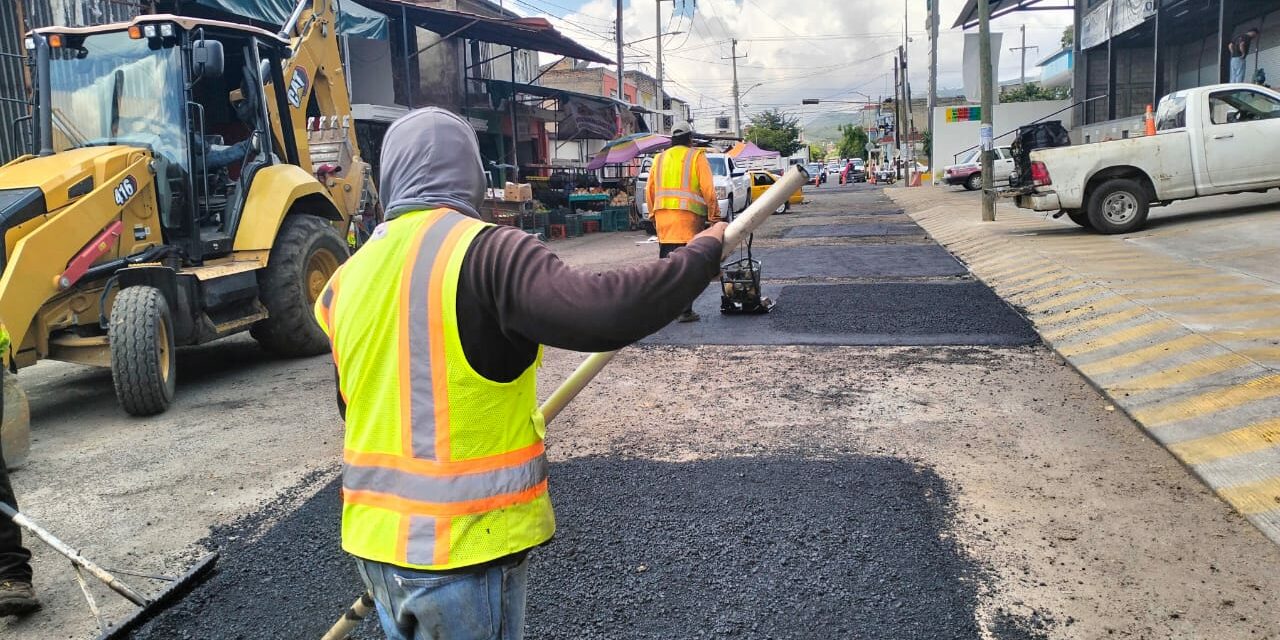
pixel 863 314
pixel 857 261
pixel 854 230
pixel 792 545
pixel 959 313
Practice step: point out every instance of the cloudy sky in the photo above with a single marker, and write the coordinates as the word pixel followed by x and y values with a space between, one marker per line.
pixel 794 49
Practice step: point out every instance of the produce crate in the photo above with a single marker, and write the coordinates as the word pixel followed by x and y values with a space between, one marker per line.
pixel 616 219
pixel 573 225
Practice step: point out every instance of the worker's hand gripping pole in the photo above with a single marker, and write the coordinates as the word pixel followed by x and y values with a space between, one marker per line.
pixel 734 235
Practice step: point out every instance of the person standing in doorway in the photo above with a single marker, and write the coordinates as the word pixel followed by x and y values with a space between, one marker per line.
pixel 682 196
pixel 1239 50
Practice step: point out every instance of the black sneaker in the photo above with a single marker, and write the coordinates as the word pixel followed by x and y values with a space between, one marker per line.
pixel 17 598
pixel 688 316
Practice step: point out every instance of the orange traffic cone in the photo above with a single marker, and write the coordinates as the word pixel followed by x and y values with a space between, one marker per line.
pixel 1151 122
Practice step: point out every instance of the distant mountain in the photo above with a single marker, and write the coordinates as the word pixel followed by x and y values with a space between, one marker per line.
pixel 825 127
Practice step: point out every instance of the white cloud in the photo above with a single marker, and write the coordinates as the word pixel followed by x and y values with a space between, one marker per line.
pixel 795 49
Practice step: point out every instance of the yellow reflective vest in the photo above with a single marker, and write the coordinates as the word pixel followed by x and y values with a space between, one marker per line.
pixel 678 186
pixel 443 468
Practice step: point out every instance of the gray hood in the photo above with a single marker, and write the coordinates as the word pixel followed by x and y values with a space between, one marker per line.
pixel 430 158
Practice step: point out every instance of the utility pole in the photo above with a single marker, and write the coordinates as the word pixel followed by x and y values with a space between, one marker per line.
pixel 910 158
pixel 933 77
pixel 900 124
pixel 1023 49
pixel 985 135
pixel 737 103
pixel 617 28
pixel 657 33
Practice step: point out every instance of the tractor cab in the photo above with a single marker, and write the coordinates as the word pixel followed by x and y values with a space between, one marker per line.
pixel 192 93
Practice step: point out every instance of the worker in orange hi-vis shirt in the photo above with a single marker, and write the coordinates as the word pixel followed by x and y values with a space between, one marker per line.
pixel 682 196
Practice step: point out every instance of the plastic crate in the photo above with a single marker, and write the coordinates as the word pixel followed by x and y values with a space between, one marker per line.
pixel 615 219
pixel 618 220
pixel 573 225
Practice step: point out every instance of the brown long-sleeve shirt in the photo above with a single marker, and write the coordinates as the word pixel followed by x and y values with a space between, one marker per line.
pixel 515 294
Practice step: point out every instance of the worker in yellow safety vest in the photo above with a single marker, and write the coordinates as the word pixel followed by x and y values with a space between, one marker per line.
pixel 437 325
pixel 16 594
pixel 681 195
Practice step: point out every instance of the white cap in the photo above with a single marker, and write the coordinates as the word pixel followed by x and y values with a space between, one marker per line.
pixel 681 128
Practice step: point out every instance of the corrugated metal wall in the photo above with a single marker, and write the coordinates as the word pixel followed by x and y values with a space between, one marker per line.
pixel 16 18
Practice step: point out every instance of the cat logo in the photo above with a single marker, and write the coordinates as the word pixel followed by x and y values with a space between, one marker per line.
pixel 125 190
pixel 297 86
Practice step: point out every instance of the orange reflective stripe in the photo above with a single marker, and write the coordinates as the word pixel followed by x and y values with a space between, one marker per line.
pixel 441 551
pixel 405 334
pixel 390 502
pixel 402 539
pixel 686 178
pixel 435 315
pixel 444 468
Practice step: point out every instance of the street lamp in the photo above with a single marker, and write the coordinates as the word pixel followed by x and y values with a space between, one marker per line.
pixel 669 33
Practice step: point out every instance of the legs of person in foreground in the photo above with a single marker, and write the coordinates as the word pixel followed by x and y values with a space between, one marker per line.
pixel 16 594
pixel 465 604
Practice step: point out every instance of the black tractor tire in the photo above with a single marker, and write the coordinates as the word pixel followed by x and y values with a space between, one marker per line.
pixel 1080 217
pixel 306 253
pixel 973 182
pixel 143 366
pixel 1119 205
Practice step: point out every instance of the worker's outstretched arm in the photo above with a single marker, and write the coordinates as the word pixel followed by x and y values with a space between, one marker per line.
pixel 536 298
pixel 706 180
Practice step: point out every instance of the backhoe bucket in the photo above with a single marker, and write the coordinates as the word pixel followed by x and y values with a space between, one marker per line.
pixel 15 430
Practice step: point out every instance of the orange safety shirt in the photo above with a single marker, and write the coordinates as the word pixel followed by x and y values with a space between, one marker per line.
pixel 679 226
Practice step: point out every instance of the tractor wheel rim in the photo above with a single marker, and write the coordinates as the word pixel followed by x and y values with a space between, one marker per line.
pixel 162 335
pixel 1120 207
pixel 320 267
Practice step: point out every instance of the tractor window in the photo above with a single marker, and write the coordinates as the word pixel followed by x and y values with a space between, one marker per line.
pixel 108 89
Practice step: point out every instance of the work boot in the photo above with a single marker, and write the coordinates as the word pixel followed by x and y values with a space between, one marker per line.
pixel 688 316
pixel 17 598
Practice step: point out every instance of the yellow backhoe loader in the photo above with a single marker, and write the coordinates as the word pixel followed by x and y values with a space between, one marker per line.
pixel 187 179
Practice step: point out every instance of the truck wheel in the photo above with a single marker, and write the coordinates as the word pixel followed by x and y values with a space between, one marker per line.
pixel 973 182
pixel 142 351
pixel 1080 217
pixel 1118 206
pixel 307 252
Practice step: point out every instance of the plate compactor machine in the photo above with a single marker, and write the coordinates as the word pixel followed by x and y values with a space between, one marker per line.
pixel 187 179
pixel 740 286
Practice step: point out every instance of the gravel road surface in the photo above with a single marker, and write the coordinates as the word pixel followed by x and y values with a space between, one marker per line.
pixel 767 490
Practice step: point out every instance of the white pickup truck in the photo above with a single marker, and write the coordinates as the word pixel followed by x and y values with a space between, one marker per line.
pixel 733 187
pixel 1209 140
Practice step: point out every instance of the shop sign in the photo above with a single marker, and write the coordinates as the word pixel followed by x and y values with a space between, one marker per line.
pixel 964 114
pixel 1095 28
pixel 1128 14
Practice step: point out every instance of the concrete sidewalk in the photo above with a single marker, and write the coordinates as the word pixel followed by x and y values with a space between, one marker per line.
pixel 1178 324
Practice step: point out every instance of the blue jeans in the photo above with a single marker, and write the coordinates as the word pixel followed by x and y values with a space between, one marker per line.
pixel 1237 69
pixel 485 604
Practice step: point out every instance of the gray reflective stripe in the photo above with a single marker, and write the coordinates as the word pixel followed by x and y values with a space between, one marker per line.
pixel 422 401
pixel 445 489
pixel 687 178
pixel 326 298
pixel 421 546
pixel 677 193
